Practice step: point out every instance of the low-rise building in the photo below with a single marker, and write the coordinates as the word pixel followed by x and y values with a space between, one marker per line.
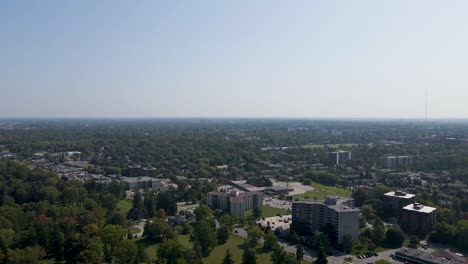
pixel 337 211
pixel 410 255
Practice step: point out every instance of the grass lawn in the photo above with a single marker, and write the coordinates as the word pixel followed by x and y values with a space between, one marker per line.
pixel 151 247
pixel 234 244
pixel 361 248
pixel 124 205
pixel 268 211
pixel 323 191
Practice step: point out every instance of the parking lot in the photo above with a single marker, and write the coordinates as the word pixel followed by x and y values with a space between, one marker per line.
pixel 276 221
pixel 274 202
pixel 298 187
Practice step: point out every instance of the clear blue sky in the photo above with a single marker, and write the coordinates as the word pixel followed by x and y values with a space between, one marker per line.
pixel 243 58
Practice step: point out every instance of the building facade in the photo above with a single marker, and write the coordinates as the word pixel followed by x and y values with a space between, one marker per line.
pixel 337 211
pixel 395 201
pixel 418 219
pixel 392 162
pixel 339 157
pixel 236 203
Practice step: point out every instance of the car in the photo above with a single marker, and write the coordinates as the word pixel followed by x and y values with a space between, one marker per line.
pixel 235 231
pixel 359 257
pixel 375 254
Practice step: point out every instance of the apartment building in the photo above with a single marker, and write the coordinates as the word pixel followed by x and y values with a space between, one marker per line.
pixel 395 201
pixel 236 203
pixel 339 157
pixel 418 219
pixel 392 162
pixel 337 211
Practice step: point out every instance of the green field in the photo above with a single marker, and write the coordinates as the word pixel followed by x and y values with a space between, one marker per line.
pixel 234 244
pixel 125 205
pixel 322 191
pixel 268 211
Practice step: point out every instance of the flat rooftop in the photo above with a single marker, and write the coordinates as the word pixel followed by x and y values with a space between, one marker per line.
pixel 339 206
pixel 436 257
pixel 400 194
pixel 419 208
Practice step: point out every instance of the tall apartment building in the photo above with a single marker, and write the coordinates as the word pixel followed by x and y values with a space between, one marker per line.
pixel 150 171
pixel 337 211
pixel 339 157
pixel 234 202
pixel 418 219
pixel 395 201
pixel 392 162
pixel 134 170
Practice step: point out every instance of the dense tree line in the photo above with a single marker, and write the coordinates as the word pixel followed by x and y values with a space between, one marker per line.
pixel 44 219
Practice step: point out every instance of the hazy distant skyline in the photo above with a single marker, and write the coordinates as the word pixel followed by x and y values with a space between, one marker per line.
pixel 312 59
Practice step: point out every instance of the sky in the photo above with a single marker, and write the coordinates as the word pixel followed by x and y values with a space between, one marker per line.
pixel 243 58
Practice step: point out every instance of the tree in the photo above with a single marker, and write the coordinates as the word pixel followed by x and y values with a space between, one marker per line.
pixel 379 231
pixel 443 233
pixel 164 200
pixel 228 258
pixel 93 252
pixel 203 212
pixel 254 234
pixel 6 239
pixel 321 240
pixel 414 241
pixel 360 196
pixel 299 252
pixel 347 243
pixel 150 204
pixel 269 240
pixel 26 255
pixel 321 257
pixel 249 256
pixel 279 256
pixel 186 229
pixel 223 233
pixel 157 230
pixel 125 252
pixel 171 252
pixel 394 236
pixel 111 236
pixel 226 219
pixel 257 212
pixel 204 235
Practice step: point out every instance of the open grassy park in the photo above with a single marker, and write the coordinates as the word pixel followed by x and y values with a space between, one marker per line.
pixel 268 211
pixel 322 191
pixel 234 244
pixel 124 205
